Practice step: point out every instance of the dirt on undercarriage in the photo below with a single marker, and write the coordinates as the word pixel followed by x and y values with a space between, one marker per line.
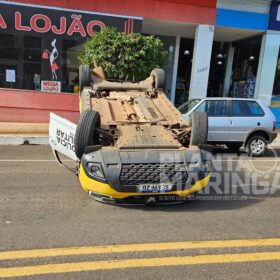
pixel 135 115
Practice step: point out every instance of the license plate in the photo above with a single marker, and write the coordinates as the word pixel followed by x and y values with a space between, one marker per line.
pixel 154 188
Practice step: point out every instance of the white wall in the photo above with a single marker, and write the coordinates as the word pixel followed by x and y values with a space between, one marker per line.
pixel 201 61
pixel 267 66
pixel 175 68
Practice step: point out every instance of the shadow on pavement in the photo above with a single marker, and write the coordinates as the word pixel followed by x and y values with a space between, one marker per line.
pixel 271 152
pixel 199 205
pixel 210 201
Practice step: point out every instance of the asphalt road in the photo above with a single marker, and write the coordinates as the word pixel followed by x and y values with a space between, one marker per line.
pixel 42 206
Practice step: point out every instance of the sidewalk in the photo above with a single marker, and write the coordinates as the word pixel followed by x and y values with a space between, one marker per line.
pixel 37 133
pixel 24 128
pixel 24 133
pixel 276 142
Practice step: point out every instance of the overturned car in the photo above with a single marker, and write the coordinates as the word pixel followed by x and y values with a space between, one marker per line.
pixel 131 143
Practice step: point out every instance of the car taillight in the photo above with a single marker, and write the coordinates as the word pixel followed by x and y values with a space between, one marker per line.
pixel 274 126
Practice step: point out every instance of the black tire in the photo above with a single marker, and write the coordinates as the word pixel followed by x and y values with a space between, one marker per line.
pixel 234 147
pixel 199 133
pixel 159 75
pixel 86 134
pixel 84 77
pixel 256 146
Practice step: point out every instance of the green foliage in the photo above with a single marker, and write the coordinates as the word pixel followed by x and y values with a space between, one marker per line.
pixel 123 56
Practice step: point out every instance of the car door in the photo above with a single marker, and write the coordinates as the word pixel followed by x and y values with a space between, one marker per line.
pixel 245 115
pixel 61 137
pixel 218 119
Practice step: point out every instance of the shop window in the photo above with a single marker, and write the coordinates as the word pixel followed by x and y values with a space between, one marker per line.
pixel 7 40
pixel 32 48
pixel 70 65
pixel 276 87
pixel 242 108
pixel 217 69
pixel 245 67
pixel 169 45
pixel 8 48
pixel 29 72
pixel 184 70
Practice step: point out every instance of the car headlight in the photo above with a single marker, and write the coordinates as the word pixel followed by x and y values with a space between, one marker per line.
pixel 95 170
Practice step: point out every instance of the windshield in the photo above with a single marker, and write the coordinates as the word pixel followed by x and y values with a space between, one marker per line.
pixel 187 106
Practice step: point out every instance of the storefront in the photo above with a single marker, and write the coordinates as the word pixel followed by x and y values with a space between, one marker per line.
pixel 271 52
pixel 39 46
pixel 207 56
pixel 40 41
pixel 241 25
pixel 210 52
pixel 245 67
pixel 225 59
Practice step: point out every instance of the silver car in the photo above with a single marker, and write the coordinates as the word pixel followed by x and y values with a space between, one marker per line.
pixel 236 122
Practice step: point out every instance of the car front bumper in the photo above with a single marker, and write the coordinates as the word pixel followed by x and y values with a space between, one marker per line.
pixel 124 170
pixel 104 189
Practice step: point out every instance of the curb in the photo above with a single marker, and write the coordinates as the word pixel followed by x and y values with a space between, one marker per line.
pixel 44 140
pixel 24 140
pixel 275 144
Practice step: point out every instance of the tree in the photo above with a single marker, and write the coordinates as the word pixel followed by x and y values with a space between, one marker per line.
pixel 124 56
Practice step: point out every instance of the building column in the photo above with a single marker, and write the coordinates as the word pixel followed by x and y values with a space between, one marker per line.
pixel 201 61
pixel 267 67
pixel 175 68
pixel 230 56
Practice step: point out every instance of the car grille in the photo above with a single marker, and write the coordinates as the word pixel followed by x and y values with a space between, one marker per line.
pixel 149 173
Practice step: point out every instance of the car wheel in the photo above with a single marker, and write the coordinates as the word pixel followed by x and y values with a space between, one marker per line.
pixel 234 147
pixel 84 77
pixel 86 134
pixel 256 146
pixel 159 75
pixel 199 133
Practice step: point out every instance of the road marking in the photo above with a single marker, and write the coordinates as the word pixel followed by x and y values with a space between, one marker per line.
pixel 248 159
pixel 55 252
pixel 218 160
pixel 31 160
pixel 139 263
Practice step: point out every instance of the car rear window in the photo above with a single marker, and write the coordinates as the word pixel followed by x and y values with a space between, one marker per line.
pixel 244 108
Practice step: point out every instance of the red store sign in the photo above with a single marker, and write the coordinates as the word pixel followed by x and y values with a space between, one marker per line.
pixel 51 86
pixel 16 17
pixel 41 23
